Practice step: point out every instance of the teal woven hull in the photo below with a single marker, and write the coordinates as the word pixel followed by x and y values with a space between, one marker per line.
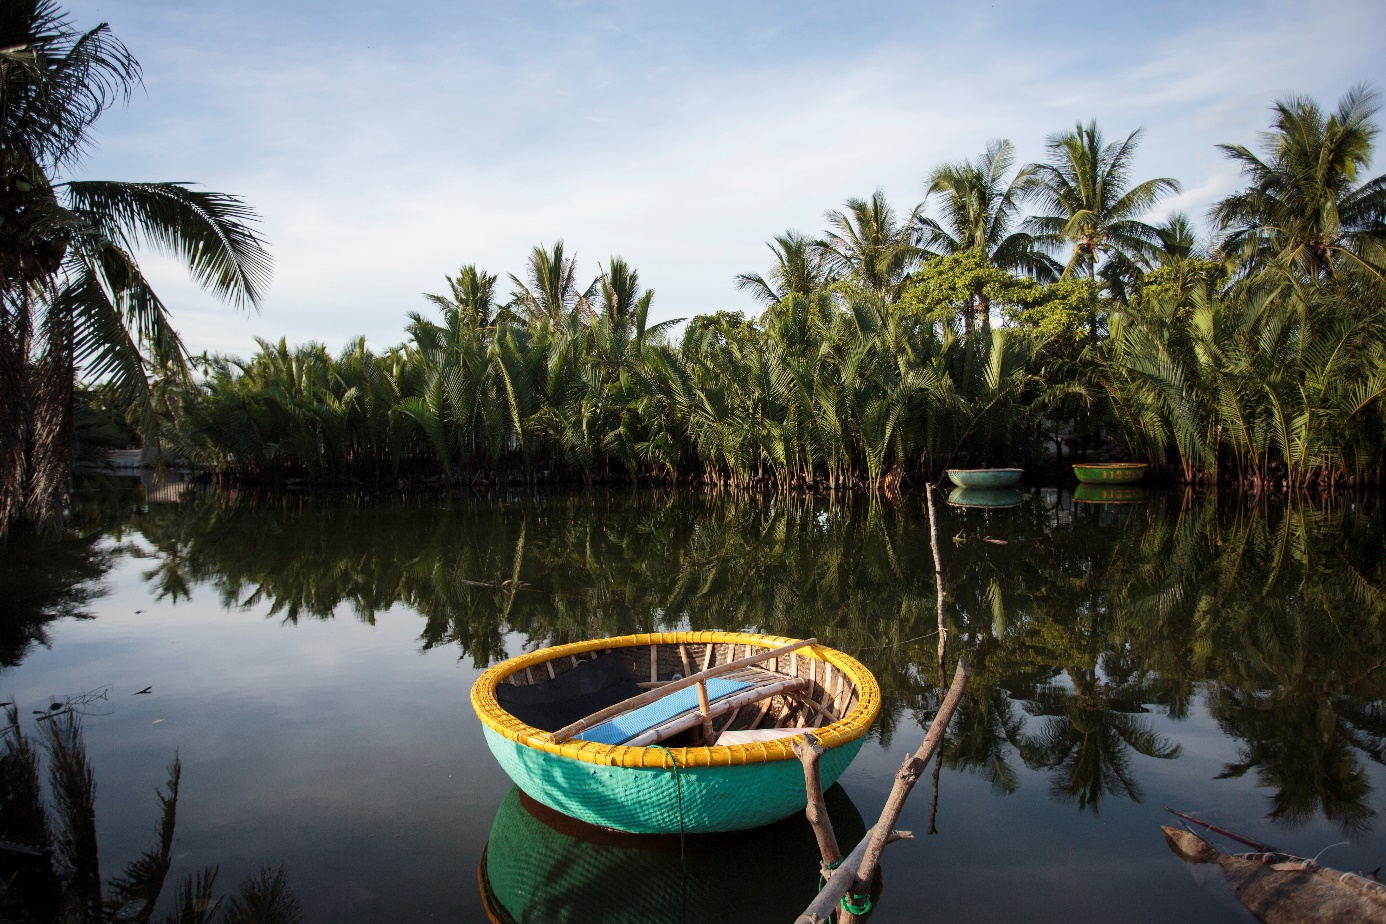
pixel 647 801
pixel 986 478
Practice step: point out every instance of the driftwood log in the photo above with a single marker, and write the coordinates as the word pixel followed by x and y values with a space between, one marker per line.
pixel 1280 888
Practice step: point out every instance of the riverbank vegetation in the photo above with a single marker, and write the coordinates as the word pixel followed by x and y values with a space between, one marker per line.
pixel 1018 310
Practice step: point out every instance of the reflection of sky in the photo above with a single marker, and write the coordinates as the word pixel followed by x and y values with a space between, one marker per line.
pixel 342 750
pixel 386 146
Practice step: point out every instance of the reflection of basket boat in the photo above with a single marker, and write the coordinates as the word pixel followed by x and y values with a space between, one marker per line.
pixel 983 497
pixel 985 477
pixel 1110 494
pixel 1110 472
pixel 542 866
pixel 642 773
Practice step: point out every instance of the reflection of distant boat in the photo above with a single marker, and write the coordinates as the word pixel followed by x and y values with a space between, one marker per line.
pixel 1110 494
pixel 1110 472
pixel 653 769
pixel 988 478
pixel 984 497
pixel 540 865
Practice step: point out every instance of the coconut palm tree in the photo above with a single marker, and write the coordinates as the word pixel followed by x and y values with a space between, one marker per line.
pixel 552 291
pixel 472 298
pixel 618 292
pixel 980 211
pixel 870 243
pixel 799 269
pixel 1307 207
pixel 1086 199
pixel 67 264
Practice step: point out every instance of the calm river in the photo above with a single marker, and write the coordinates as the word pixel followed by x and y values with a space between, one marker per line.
pixel 308 657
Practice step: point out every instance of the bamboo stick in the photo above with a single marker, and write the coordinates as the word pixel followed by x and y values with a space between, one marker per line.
pixel 635 702
pixel 706 711
pixel 688 720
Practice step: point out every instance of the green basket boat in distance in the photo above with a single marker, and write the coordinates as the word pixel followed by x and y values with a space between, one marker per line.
pixel 539 865
pixel 676 784
pixel 1110 472
pixel 989 478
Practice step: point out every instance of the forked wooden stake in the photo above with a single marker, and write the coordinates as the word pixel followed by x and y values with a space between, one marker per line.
pixel 859 869
pixel 809 751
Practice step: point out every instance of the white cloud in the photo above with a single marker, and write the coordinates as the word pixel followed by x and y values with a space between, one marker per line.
pixel 681 145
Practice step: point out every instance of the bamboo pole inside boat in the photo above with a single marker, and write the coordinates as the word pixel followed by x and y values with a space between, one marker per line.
pixel 706 710
pixel 635 702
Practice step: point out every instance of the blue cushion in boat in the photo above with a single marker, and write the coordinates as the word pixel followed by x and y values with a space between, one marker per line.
pixel 627 725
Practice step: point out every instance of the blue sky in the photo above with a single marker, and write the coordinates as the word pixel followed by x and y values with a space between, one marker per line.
pixel 386 145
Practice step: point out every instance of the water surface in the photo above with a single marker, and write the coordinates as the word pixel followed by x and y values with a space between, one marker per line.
pixel 310 658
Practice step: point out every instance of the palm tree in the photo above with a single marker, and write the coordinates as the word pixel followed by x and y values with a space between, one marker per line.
pixel 1305 208
pixel 67 265
pixel 981 209
pixel 870 243
pixel 618 291
pixel 1086 200
pixel 799 269
pixel 472 298
pixel 552 291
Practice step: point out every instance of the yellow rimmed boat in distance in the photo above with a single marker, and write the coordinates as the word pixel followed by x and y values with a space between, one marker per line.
pixel 674 732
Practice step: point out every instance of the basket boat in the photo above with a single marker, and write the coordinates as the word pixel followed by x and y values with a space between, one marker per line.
pixel 656 770
pixel 985 477
pixel 1110 472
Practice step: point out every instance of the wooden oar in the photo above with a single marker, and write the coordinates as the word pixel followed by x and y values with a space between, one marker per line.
pixel 644 699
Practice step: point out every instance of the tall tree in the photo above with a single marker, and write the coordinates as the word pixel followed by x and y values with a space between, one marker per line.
pixel 552 291
pixel 1086 200
pixel 1307 209
pixel 799 269
pixel 869 242
pixel 980 212
pixel 472 297
pixel 72 296
pixel 618 293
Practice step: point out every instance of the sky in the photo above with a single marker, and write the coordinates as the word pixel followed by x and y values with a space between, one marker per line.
pixel 386 145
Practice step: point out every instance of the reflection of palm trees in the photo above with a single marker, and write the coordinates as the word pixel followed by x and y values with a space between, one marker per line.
pixel 50 868
pixel 1304 746
pixel 1087 738
pixel 1141 606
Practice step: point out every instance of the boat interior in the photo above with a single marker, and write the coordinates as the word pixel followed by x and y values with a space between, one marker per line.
pixel 772 698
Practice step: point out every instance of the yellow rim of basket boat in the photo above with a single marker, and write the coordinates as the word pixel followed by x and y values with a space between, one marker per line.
pixel 849 728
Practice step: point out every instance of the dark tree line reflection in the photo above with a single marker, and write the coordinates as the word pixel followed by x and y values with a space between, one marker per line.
pixel 1081 620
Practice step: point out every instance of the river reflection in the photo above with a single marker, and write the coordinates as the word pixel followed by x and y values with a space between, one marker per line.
pixel 1084 621
pixel 539 865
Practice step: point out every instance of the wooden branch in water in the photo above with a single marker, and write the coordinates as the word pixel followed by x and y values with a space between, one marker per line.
pixel 809 752
pixel 910 772
pixel 857 871
pixel 644 699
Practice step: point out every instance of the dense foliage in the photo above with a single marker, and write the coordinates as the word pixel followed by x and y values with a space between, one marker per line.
pixel 964 333
pixel 72 296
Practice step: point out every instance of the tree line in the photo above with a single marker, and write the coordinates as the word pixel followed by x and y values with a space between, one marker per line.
pixel 1017 308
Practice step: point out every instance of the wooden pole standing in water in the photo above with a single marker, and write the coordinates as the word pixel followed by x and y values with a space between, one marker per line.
pixel 859 869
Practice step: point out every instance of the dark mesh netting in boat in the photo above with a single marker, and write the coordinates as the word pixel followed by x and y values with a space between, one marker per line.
pixel 572 695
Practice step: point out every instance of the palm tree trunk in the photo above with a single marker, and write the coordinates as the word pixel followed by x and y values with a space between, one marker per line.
pixel 50 456
pixel 15 330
